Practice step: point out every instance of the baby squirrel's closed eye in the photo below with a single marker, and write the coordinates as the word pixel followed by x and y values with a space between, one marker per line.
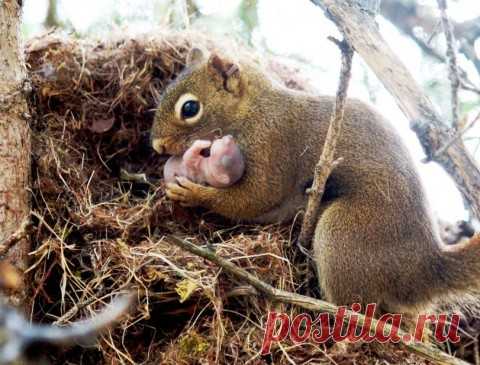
pixel 227 161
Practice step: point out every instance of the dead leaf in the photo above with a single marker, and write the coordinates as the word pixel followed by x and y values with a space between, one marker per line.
pixel 101 125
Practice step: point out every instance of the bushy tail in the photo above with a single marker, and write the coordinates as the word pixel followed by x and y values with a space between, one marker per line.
pixel 460 274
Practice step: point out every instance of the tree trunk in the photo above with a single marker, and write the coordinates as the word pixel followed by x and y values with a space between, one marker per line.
pixel 51 20
pixel 14 143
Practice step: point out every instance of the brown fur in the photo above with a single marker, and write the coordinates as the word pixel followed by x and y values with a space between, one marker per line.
pixel 375 240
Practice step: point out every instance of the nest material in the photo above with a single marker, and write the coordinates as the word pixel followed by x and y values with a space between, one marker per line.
pixel 101 216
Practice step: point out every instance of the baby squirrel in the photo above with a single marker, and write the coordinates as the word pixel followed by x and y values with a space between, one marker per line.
pixel 375 240
pixel 222 168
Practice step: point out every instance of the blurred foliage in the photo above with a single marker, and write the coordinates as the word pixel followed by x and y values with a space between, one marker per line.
pixel 237 18
pixel 248 14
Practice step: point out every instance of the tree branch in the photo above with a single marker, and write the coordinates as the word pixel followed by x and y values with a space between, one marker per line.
pixel 407 15
pixel 362 33
pixel 452 60
pixel 420 348
pixel 327 163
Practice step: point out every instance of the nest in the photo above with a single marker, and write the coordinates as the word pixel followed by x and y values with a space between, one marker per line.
pixel 101 218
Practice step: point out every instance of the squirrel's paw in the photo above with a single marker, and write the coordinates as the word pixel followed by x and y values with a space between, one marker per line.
pixel 187 193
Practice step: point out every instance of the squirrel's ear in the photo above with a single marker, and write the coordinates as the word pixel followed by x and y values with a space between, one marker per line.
pixel 228 73
pixel 195 56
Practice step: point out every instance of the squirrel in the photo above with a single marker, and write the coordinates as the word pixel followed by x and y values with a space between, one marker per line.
pixel 375 240
pixel 223 167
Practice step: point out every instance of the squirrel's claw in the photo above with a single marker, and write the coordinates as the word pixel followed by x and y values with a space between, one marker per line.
pixel 174 192
pixel 187 193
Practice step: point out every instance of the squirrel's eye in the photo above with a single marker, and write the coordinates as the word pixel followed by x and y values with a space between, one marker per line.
pixel 188 109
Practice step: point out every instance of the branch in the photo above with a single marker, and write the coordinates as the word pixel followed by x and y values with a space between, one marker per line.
pixel 407 15
pixel 458 135
pixel 452 60
pixel 420 348
pixel 465 82
pixel 327 163
pixel 361 31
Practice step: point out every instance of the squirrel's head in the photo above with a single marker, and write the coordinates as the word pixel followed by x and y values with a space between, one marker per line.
pixel 201 103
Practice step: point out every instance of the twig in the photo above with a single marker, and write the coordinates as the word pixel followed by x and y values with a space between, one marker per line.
pixel 465 82
pixel 475 351
pixel 469 87
pixel 327 163
pixel 434 32
pixel 453 75
pixel 423 349
pixel 408 15
pixel 456 136
pixel 74 310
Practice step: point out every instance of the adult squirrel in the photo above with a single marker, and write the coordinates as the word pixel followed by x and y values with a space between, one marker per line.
pixel 375 241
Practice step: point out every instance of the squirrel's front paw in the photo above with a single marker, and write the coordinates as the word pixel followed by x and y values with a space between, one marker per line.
pixel 189 194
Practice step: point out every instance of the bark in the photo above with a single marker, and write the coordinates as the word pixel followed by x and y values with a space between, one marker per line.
pixel 361 31
pixel 14 142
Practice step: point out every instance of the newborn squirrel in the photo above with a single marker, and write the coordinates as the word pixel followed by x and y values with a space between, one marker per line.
pixel 375 240
pixel 223 167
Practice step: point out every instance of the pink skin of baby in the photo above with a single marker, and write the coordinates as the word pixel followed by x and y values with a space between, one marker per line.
pixel 223 168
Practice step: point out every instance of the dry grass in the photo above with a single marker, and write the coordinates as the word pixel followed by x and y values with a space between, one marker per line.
pixel 101 215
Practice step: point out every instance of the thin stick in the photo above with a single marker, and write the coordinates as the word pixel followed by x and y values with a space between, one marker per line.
pixel 420 348
pixel 453 75
pixel 457 135
pixel 327 163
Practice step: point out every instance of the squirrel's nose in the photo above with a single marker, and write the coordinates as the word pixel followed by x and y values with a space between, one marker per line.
pixel 158 146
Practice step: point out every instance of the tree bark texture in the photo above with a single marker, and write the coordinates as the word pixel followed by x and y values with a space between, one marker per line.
pixel 14 141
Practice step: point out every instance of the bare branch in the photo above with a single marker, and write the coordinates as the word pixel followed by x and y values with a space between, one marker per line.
pixel 362 33
pixel 452 60
pixel 420 348
pixel 327 163
pixel 407 15
pixel 456 136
